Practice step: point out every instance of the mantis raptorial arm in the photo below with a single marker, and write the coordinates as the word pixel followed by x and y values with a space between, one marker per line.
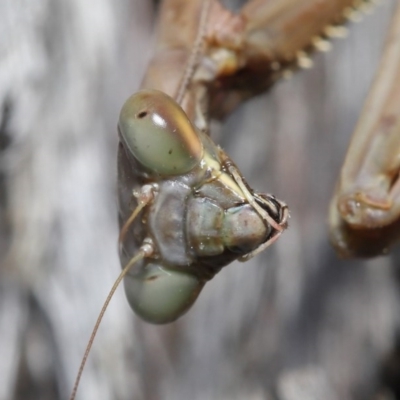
pixel 245 53
pixel 365 210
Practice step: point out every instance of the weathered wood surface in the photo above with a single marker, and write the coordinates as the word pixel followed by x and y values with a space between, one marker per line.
pixel 294 323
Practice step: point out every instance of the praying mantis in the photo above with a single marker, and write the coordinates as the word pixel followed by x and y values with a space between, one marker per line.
pixel 304 60
pixel 243 54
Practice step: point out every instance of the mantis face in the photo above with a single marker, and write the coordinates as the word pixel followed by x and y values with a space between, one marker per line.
pixel 196 211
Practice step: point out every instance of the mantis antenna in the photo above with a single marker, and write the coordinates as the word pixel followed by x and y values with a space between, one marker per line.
pixel 145 251
pixel 195 54
pixel 128 223
pixel 144 196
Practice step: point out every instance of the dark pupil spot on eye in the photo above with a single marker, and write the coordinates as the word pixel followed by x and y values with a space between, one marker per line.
pixel 142 114
pixel 170 151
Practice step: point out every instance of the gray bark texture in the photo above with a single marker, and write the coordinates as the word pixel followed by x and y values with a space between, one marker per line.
pixel 294 323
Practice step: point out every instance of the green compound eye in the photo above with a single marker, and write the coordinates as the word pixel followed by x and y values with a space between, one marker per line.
pixel 160 295
pixel 158 133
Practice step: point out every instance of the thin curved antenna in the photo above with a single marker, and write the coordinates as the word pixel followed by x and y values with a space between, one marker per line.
pixel 144 251
pixel 195 54
pixel 144 196
pixel 127 225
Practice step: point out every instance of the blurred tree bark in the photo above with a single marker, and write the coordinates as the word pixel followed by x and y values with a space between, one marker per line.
pixel 293 323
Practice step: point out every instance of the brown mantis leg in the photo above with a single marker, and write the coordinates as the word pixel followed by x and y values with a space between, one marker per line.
pixel 245 53
pixel 365 210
